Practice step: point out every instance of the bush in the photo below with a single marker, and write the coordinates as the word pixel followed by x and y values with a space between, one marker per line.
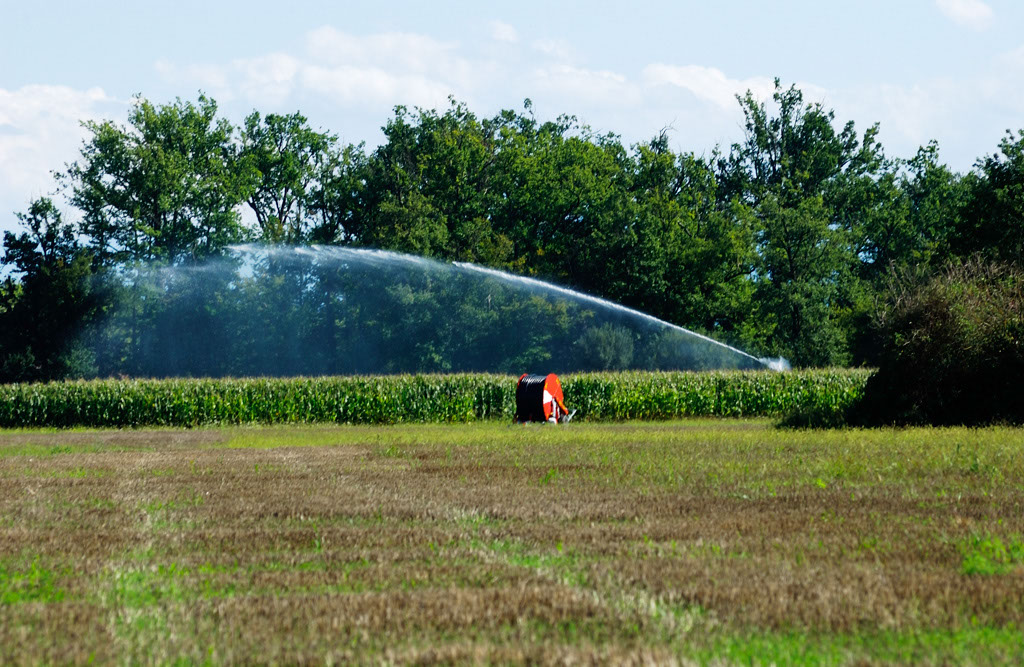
pixel 951 348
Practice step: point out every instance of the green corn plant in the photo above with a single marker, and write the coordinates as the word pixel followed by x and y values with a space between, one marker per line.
pixel 418 398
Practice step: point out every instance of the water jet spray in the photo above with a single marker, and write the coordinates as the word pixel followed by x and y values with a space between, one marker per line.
pixel 777 364
pixel 330 310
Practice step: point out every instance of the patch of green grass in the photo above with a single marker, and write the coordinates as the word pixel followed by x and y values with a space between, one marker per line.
pixel 184 499
pixel 147 587
pixel 99 503
pixel 747 456
pixel 78 472
pixel 41 451
pixel 975 645
pixel 31 582
pixel 276 436
pixel 47 450
pixel 159 584
pixel 988 555
pixel 560 564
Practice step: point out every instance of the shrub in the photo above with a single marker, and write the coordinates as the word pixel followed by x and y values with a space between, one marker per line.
pixel 951 348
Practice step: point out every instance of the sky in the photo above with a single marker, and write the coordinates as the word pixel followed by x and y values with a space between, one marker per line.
pixel 948 70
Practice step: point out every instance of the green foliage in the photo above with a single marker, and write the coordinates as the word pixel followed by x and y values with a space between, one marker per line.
pixel 415 398
pixel 803 257
pixel 166 187
pixel 952 347
pixel 427 188
pixel 46 240
pixel 993 215
pixel 932 199
pixel 288 163
pixel 41 314
pixel 606 348
pixel 810 192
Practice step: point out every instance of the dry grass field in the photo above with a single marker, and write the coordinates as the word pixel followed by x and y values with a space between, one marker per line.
pixel 700 541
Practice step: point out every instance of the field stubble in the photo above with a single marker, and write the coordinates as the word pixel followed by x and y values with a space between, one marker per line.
pixel 619 542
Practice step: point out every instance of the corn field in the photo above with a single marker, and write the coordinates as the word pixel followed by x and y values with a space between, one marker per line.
pixel 418 398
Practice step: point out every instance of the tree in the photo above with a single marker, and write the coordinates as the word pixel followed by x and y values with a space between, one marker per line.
pixel 604 348
pixel 42 314
pixel 165 187
pixel 336 203
pixel 399 214
pixel 935 200
pixel 286 158
pixel 428 187
pixel 811 192
pixel 700 257
pixel 802 267
pixel 993 222
pixel 560 198
pixel 46 241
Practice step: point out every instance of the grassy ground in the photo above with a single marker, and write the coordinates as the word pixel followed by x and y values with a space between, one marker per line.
pixel 707 541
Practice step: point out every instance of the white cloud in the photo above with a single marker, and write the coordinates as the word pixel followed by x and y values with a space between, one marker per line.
pixel 386 69
pixel 372 71
pixel 351 81
pixel 41 131
pixel 909 116
pixel 553 48
pixel 393 50
pixel 708 83
pixel 268 79
pixel 503 32
pixel 575 85
pixel 1014 58
pixel 374 87
pixel 967 116
pixel 974 14
pixel 1001 89
pixel 214 79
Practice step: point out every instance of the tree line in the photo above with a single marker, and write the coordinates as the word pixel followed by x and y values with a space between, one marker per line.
pixel 780 243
